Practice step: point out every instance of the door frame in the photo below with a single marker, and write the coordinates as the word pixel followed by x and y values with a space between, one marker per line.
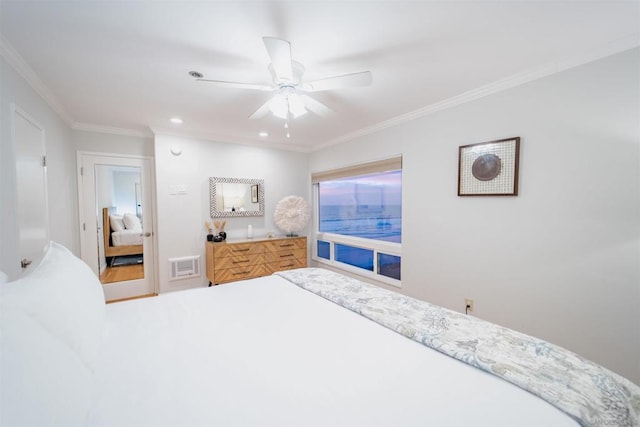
pixel 88 246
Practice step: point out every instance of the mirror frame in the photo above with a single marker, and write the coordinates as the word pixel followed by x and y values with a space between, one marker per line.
pixel 213 208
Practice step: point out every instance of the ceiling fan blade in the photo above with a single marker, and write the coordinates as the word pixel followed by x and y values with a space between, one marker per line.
pixel 262 111
pixel 363 78
pixel 236 85
pixel 280 53
pixel 316 107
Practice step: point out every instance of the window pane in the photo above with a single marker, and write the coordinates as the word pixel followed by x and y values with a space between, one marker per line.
pixel 389 265
pixel 351 255
pixel 324 249
pixel 368 206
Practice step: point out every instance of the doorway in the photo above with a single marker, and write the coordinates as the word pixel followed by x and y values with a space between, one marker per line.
pixel 116 223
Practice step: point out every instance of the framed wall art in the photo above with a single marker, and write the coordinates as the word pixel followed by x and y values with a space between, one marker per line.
pixel 489 168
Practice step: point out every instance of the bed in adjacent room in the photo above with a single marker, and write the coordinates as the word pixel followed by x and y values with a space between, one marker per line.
pixel 306 347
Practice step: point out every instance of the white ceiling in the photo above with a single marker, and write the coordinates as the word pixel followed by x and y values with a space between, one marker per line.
pixel 123 66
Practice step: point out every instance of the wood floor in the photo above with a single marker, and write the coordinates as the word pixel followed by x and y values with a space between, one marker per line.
pixel 122 273
pixel 131 298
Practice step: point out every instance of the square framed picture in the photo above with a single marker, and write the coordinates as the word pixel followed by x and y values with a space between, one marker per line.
pixel 489 168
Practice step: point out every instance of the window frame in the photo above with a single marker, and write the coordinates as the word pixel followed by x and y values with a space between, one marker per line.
pixel 377 246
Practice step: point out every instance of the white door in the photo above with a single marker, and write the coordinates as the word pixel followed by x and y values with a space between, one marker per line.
pixel 122 184
pixel 31 184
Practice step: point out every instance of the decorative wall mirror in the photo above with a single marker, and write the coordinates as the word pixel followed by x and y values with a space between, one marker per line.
pixel 229 197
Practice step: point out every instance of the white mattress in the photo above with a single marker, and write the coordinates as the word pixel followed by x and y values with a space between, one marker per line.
pixel 264 352
pixel 126 237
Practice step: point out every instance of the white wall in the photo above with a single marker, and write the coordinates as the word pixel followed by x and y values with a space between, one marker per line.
pixel 181 218
pixel 562 259
pixel 112 143
pixel 61 181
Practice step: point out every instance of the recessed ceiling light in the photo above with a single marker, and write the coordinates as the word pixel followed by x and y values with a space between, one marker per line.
pixel 263 134
pixel 176 120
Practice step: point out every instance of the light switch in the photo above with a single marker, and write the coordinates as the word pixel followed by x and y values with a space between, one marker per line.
pixel 178 189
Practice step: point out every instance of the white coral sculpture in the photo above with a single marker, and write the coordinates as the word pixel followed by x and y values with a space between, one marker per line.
pixel 292 214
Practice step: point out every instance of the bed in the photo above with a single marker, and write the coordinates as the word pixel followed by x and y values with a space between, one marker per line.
pixel 121 241
pixel 305 347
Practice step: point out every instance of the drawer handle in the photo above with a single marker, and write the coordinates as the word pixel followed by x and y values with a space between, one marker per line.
pixel 240 250
pixel 287 245
pixel 286 256
pixel 241 273
pixel 240 262
pixel 288 265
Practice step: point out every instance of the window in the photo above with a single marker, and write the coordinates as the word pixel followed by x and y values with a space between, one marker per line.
pixel 358 215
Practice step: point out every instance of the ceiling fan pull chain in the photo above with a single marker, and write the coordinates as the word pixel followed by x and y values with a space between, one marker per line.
pixel 286 124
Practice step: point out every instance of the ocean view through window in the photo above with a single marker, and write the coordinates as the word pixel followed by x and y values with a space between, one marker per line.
pixel 359 224
pixel 368 206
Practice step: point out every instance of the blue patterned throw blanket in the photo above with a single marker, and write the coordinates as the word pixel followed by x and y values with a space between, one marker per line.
pixel 589 393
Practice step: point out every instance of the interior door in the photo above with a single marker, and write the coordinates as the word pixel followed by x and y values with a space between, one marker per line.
pixel 31 184
pixel 123 186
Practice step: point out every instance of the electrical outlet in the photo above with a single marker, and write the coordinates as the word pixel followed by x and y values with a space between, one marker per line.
pixel 468 303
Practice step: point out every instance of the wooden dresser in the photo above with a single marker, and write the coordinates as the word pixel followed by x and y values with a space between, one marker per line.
pixel 245 259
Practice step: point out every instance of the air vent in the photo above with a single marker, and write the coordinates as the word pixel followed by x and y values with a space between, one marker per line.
pixel 184 268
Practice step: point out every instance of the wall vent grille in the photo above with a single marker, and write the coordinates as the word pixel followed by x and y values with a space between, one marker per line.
pixel 185 267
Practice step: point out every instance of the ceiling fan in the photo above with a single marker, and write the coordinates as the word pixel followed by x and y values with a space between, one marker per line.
pixel 290 99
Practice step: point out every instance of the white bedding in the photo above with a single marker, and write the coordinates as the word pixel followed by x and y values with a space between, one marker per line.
pixel 126 237
pixel 264 352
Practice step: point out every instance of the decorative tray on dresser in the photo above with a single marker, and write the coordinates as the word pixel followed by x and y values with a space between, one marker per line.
pixel 245 259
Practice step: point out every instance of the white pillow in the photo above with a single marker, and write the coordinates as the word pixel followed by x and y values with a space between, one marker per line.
pixel 132 222
pixel 3 277
pixel 65 297
pixel 116 222
pixel 44 383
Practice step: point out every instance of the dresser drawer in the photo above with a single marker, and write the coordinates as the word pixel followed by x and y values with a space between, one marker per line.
pixel 284 244
pixel 240 273
pixel 223 250
pixel 285 255
pixel 239 261
pixel 285 265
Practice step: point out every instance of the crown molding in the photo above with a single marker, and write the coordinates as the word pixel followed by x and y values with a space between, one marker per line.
pixel 617 46
pixel 110 130
pixel 17 62
pixel 226 139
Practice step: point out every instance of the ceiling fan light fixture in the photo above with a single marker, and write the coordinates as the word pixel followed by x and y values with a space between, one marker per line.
pixel 279 107
pixel 296 105
pixel 282 105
